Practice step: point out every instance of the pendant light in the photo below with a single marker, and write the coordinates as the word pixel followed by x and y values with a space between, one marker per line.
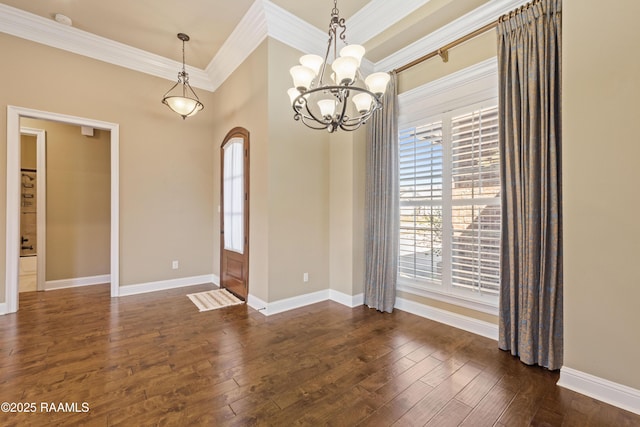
pixel 184 102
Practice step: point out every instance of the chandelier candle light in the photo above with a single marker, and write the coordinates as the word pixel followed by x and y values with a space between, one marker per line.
pixel 186 102
pixel 339 97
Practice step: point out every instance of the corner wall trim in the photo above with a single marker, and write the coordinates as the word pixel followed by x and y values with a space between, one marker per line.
pixel 607 391
pixel 469 324
pixel 164 285
pixel 78 281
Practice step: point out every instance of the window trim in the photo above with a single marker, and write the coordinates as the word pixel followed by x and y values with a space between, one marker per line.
pixel 462 90
pixel 466 87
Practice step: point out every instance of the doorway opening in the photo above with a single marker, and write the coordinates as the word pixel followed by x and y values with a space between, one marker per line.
pixel 32 209
pixel 14 114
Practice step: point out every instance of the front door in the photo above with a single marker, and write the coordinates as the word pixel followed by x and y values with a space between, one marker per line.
pixel 234 213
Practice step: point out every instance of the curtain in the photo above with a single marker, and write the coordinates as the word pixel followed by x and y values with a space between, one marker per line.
pixel 529 60
pixel 382 204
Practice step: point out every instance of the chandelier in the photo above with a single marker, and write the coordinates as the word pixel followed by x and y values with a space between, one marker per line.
pixel 335 95
pixel 185 102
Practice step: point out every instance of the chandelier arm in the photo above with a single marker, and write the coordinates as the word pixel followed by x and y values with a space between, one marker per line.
pixel 344 102
pixel 298 105
pixel 325 62
pixel 313 116
pixel 192 91
pixel 304 121
pixel 301 116
pixel 172 88
pixel 304 113
pixel 353 127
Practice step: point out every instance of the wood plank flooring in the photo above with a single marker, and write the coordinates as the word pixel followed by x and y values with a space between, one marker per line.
pixel 153 359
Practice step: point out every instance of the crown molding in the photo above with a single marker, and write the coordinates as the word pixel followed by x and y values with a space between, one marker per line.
pixel 263 19
pixel 462 26
pixel 35 28
pixel 378 15
pixel 293 31
pixel 245 38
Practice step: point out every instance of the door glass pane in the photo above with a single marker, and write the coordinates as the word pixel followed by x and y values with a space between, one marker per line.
pixel 234 196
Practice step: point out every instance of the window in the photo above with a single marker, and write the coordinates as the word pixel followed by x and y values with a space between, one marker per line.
pixel 450 204
pixel 234 195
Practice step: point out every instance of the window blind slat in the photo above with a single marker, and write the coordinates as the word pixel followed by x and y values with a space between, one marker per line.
pixel 474 165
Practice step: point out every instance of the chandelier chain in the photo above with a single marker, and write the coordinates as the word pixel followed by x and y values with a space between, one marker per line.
pixel 183 69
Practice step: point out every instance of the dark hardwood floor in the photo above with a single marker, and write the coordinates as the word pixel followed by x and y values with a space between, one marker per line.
pixel 153 359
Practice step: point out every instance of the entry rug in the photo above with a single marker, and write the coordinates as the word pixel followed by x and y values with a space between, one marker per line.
pixel 212 300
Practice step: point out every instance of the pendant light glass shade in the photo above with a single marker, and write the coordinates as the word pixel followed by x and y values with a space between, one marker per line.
pixel 313 62
pixel 327 107
pixel 363 102
pixel 302 77
pixel 183 100
pixel 353 50
pixel 377 82
pixel 345 68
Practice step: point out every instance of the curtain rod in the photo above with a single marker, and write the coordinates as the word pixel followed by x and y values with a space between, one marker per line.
pixel 443 52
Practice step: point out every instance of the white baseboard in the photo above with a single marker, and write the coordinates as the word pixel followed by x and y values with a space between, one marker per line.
pixel 164 285
pixel 287 304
pixel 607 391
pixel 459 321
pixel 3 308
pixel 78 281
pixel 256 303
pixel 469 324
pixel 295 302
pixel 344 299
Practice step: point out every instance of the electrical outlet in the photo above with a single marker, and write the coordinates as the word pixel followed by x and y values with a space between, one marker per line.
pixel 175 264
pixel 305 277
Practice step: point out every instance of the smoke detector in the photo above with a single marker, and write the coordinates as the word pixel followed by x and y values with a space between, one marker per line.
pixel 63 19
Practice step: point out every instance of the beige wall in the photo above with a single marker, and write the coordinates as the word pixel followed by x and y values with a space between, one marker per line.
pixel 298 190
pixel 242 101
pixel 601 89
pixel 289 177
pixel 28 150
pixel 346 205
pixel 357 219
pixel 78 200
pixel 166 163
pixel 295 181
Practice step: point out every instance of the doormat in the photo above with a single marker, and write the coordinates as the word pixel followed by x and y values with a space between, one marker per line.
pixel 212 300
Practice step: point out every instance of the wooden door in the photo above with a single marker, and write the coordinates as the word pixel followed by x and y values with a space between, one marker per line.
pixel 234 212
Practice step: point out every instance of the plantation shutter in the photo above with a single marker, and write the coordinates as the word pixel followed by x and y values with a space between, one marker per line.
pixel 421 179
pixel 475 191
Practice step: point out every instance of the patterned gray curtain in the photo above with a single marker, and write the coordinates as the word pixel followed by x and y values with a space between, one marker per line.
pixel 529 58
pixel 382 204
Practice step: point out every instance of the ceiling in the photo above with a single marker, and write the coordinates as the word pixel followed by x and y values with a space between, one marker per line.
pixel 382 26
